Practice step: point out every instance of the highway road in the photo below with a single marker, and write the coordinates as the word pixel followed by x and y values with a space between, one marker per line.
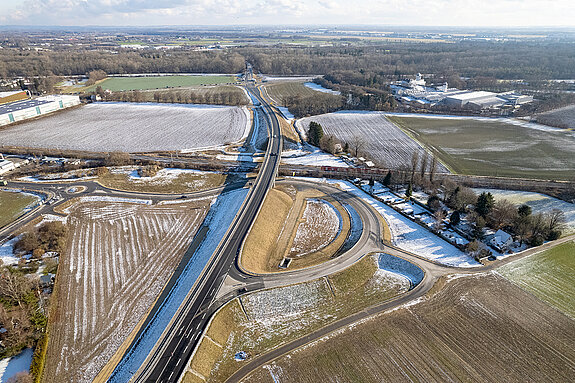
pixel 168 360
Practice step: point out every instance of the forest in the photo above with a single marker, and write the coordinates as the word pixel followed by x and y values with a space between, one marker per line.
pixel 363 66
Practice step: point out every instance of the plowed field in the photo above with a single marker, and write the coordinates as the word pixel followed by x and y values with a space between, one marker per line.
pixel 118 259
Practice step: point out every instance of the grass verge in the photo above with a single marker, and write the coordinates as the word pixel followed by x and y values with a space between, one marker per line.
pixel 260 247
pixel 280 315
pixel 13 204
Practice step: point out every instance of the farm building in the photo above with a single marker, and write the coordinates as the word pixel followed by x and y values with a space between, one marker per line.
pixel 23 110
pixel 6 97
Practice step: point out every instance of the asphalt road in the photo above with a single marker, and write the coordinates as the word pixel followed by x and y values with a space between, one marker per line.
pixel 59 192
pixel 168 360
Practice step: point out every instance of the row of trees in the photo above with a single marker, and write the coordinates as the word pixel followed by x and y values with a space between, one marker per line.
pixel 231 96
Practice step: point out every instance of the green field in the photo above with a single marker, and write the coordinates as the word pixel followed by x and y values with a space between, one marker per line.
pixel 495 148
pixel 116 84
pixel 548 275
pixel 13 204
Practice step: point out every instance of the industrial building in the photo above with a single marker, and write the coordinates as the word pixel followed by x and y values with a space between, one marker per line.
pixel 485 100
pixel 417 93
pixel 23 110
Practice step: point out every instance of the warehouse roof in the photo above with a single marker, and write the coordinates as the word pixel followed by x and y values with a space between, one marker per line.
pixel 21 105
pixel 471 95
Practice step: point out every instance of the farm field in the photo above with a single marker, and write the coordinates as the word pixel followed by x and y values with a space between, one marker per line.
pixel 561 118
pixel 539 203
pixel 548 275
pixel 495 148
pixel 167 180
pixel 119 257
pixel 384 143
pixel 476 329
pixel 276 316
pixel 116 84
pixel 13 204
pixel 281 90
pixel 127 127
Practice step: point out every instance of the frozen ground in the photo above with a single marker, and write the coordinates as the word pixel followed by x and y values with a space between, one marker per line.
pixel 220 217
pixel 409 236
pixel 384 142
pixel 402 267
pixel 286 113
pixel 19 363
pixel 6 254
pixel 130 127
pixel 538 203
pixel 321 225
pixel 511 121
pixel 316 158
pixel 319 88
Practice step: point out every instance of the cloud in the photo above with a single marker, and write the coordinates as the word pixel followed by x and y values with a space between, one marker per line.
pixel 206 12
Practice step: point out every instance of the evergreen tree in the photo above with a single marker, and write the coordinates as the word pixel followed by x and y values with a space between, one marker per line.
pixel 485 204
pixel 524 210
pixel 387 180
pixel 315 133
pixel 455 218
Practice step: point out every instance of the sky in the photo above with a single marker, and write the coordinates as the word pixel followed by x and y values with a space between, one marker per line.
pixel 493 13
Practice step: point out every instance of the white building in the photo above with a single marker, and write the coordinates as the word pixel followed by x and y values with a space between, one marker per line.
pixel 23 110
pixel 6 166
pixel 500 240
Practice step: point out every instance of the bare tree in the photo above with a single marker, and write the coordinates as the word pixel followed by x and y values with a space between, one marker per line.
pixel 21 377
pixel 503 214
pixel 14 286
pixel 357 144
pixel 414 162
pixel 556 220
pixel 423 164
pixel 439 216
pixel 432 169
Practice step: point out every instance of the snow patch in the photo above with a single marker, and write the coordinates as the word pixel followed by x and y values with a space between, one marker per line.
pixel 319 88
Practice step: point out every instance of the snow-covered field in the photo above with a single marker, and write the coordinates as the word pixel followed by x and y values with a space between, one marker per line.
pixel 512 121
pixel 130 127
pixel 400 266
pixel 316 158
pixel 321 225
pixel 319 88
pixel 539 203
pixel 384 142
pixel 219 219
pixel 409 236
pixel 564 117
pixel 119 257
